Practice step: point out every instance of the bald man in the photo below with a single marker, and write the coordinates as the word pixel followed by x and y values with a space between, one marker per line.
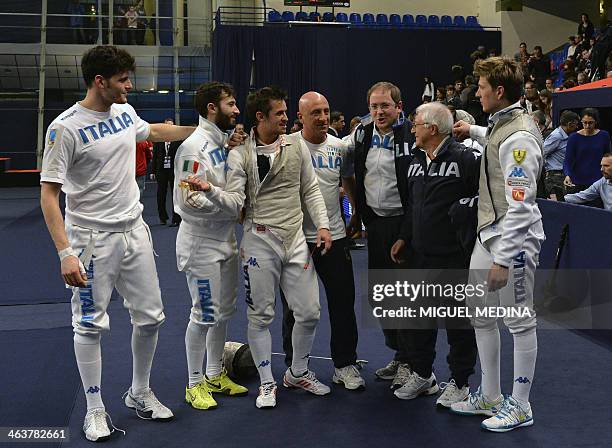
pixel 335 268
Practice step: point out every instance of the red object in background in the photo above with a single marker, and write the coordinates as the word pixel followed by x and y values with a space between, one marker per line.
pixel 144 154
pixel 592 85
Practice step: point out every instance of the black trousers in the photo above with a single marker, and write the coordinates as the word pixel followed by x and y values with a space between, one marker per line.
pixel 382 234
pixel 335 269
pixel 165 178
pixel 459 332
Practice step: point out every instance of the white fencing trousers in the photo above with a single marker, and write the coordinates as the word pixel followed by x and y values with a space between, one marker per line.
pixel 211 268
pixel 266 265
pixel 122 260
pixel 518 292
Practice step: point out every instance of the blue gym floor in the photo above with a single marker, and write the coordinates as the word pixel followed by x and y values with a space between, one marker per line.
pixel 39 383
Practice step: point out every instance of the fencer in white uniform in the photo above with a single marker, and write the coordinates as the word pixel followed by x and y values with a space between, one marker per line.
pixel 104 243
pixel 206 246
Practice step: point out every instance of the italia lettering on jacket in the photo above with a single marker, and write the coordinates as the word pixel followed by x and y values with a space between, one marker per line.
pixel 444 169
pixel 106 127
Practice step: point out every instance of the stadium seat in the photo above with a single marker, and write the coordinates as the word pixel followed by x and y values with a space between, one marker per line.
pixel 342 17
pixel 301 16
pixel 459 21
pixel 472 22
pixel 421 21
pixel 274 16
pixel 395 20
pixel 433 21
pixel 328 17
pixel 355 18
pixel 288 16
pixel 446 21
pixel 368 19
pixel 408 20
pixel 382 20
pixel 315 16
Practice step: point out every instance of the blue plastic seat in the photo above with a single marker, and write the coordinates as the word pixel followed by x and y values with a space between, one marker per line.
pixel 355 18
pixel 446 21
pixel 459 21
pixel 342 17
pixel 315 17
pixel 382 20
pixel 421 20
pixel 274 16
pixel 301 16
pixel 471 22
pixel 368 19
pixel 433 21
pixel 395 20
pixel 288 16
pixel 328 17
pixel 408 20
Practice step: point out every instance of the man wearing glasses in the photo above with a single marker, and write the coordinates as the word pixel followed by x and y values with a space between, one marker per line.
pixel 382 148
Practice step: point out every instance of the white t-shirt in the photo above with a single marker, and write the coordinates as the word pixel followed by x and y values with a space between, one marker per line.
pixel 93 155
pixel 327 159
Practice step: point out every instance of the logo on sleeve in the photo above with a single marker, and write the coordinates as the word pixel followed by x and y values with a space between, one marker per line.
pixel 517 172
pixel 518 194
pixel 519 155
pixel 51 139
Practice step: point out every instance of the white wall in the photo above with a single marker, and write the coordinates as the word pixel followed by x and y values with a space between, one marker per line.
pixel 534 28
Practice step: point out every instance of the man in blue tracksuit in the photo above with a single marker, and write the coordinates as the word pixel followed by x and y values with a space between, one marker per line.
pixel 441 173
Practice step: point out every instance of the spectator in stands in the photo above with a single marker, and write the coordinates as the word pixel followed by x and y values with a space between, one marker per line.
pixel 337 124
pixel 545 106
pixel 581 78
pixel 492 53
pixel 441 95
pixel 601 190
pixel 523 55
pixel 240 129
pixel 569 84
pixel 532 97
pixel 459 86
pixel 584 64
pixel 540 119
pixel 142 23
pixel 539 67
pixel 554 151
pixel 452 97
pixel 584 151
pixel 572 46
pixel 429 89
pixel 585 27
pixel 76 11
pixel 163 173
pixel 131 17
pixel 297 126
pixel 144 154
pixel 355 121
pixel 550 85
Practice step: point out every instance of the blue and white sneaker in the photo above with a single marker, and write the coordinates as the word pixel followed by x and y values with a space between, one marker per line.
pixel 478 404
pixel 512 415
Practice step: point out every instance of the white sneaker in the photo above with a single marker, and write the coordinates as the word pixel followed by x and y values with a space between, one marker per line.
pixel 402 375
pixel 478 404
pixel 147 406
pixel 416 386
pixel 308 382
pixel 451 394
pixel 267 396
pixel 511 415
pixel 95 426
pixel 349 376
pixel 388 372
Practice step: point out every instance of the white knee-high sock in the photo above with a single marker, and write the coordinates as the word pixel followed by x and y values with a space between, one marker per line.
pixel 260 343
pixel 489 348
pixel 525 354
pixel 89 361
pixel 144 343
pixel 215 344
pixel 195 347
pixel 302 339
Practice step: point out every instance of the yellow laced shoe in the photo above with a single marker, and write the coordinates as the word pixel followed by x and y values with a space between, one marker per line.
pixel 222 384
pixel 199 397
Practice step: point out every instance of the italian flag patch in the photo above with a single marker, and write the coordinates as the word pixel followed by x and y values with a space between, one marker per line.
pixel 190 166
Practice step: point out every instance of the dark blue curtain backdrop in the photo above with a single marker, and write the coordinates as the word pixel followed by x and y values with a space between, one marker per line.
pixel 342 63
